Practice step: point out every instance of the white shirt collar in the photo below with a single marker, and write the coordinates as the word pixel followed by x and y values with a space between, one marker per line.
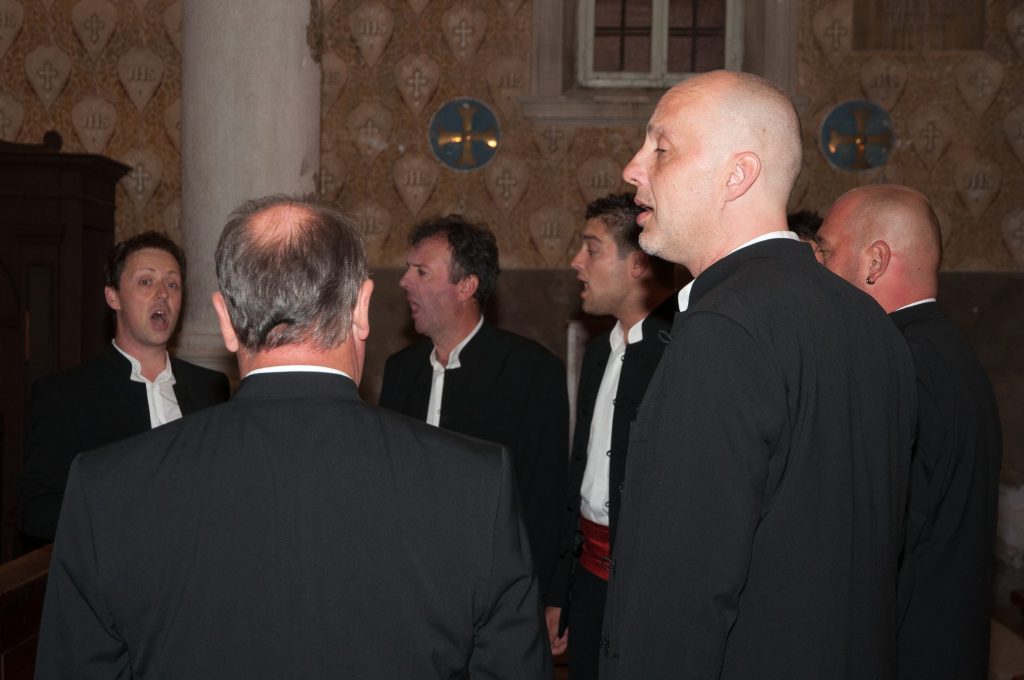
pixel 684 294
pixel 297 368
pixel 915 304
pixel 453 357
pixel 165 375
pixel 635 334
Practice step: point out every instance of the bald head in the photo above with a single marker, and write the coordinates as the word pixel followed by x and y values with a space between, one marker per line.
pixel 721 155
pixel 886 241
pixel 751 113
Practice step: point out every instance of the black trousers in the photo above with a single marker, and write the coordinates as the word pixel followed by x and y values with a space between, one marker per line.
pixel 586 614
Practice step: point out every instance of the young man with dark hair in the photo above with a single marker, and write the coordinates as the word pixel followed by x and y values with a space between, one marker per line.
pixel 620 280
pixel 133 386
pixel 471 377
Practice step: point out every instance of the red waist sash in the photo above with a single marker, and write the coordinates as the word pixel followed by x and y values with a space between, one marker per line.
pixel 594 555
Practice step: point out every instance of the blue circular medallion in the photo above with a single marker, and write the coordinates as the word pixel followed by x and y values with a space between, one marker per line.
pixel 464 134
pixel 857 135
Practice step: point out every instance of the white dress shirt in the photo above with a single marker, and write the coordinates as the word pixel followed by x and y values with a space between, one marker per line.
pixel 437 383
pixel 163 403
pixel 297 368
pixel 594 490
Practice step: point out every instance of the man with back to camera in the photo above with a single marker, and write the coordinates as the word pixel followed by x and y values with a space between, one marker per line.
pixel 133 386
pixel 761 512
pixel 620 280
pixel 293 531
pixel 471 377
pixel 886 241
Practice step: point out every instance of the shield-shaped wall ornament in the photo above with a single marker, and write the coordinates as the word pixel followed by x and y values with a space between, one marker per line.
pixel 507 180
pixel 371 24
pixel 94 120
pixel 598 176
pixel 140 70
pixel 144 177
pixel 94 22
pixel 47 68
pixel 415 176
pixel 977 182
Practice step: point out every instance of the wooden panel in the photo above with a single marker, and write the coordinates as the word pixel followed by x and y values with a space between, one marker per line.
pixel 911 25
pixel 22 587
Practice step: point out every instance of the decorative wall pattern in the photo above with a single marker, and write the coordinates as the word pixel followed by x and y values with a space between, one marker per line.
pixel 107 75
pixel 390 66
pixel 958 118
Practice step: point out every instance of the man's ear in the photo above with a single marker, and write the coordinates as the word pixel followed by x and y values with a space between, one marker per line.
pixel 113 299
pixel 227 331
pixel 879 256
pixel 639 263
pixel 745 170
pixel 361 313
pixel 466 287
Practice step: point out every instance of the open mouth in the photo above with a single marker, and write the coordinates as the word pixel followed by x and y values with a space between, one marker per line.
pixel 159 319
pixel 645 211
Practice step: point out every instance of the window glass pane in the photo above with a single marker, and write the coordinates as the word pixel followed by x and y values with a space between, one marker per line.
pixel 679 51
pixel 638 13
pixel 638 53
pixel 680 13
pixel 607 53
pixel 710 54
pixel 608 13
pixel 711 13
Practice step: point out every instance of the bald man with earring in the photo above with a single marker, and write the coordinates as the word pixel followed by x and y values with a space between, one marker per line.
pixel 886 241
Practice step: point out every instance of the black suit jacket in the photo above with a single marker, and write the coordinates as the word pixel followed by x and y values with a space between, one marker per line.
pixel 765 485
pixel 293 532
pixel 946 572
pixel 509 390
pixel 638 364
pixel 86 407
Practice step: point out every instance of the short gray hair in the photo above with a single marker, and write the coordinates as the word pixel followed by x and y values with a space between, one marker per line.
pixel 290 280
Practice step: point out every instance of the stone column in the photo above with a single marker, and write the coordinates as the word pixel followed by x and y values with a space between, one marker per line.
pixel 250 126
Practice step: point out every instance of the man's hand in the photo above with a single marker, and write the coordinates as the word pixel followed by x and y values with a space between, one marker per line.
pixel 552 615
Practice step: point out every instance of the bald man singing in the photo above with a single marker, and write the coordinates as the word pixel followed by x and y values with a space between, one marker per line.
pixel 763 495
pixel 886 241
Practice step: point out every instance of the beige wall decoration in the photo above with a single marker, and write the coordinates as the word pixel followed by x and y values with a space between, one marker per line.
pixel 508 177
pixel 172 217
pixel 1013 233
pixel 978 78
pixel 417 76
pixel 140 5
pixel 598 176
pixel 551 229
pixel 94 22
pixel 372 24
pixel 172 23
pixel 464 28
pixel 554 141
pixel 931 128
pixel 94 119
pixel 977 182
pixel 374 222
pixel 140 70
pixel 146 173
pixel 334 72
pixel 12 113
pixel 506 81
pixel 883 80
pixel 11 16
pixel 48 68
pixel 332 175
pixel 833 29
pixel 415 176
pixel 511 6
pixel 370 125
pixel 1013 126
